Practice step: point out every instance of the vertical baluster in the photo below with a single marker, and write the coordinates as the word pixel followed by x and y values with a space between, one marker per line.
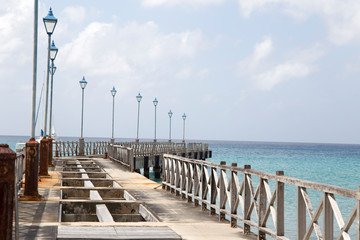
pixel 328 218
pixel 301 215
pixel 204 186
pixel 222 191
pixel 280 196
pixel 213 190
pixel 234 196
pixel 262 208
pixel 247 200
pixel 196 185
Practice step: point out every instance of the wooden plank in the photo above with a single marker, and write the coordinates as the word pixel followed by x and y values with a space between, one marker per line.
pixel 103 213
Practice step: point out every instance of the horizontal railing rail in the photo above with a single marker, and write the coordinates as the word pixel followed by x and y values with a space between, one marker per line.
pixel 72 148
pixel 230 191
pixel 158 148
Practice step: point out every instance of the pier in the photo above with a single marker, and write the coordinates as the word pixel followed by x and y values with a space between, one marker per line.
pixel 101 195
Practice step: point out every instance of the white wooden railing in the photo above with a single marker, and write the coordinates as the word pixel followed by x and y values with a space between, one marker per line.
pixel 230 192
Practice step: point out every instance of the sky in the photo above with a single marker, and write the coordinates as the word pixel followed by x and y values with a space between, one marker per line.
pixel 246 70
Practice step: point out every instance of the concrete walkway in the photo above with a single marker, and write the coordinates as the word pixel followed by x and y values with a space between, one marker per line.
pixel 39 220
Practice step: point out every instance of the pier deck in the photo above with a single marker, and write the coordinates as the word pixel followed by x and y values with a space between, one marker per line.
pixel 178 219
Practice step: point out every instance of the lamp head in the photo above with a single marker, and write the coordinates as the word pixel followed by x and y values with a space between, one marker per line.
pixel 138 97
pixel 170 113
pixel 50 22
pixel 53 69
pixel 53 51
pixel 184 116
pixel 155 102
pixel 113 92
pixel 83 83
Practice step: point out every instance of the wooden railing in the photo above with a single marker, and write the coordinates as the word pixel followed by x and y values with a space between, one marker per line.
pixel 158 148
pixel 123 155
pixel 71 148
pixel 230 192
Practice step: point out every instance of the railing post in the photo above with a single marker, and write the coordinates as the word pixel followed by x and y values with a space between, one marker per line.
pixel 56 149
pixel 183 179
pixel 234 196
pixel 222 191
pixel 44 155
pixel 262 208
pixel 131 159
pixel 328 218
pixel 190 181
pixel 280 197
pixel 7 189
pixel 157 168
pixel 146 167
pixel 301 215
pixel 203 187
pixel 177 178
pixel 50 152
pixel 247 199
pixel 81 146
pixel 213 190
pixel 196 185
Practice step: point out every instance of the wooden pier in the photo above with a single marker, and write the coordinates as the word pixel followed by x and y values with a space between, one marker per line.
pixel 94 197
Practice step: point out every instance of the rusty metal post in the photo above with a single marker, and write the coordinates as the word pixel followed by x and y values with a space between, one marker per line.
pixel 44 155
pixel 7 189
pixel 50 150
pixel 31 172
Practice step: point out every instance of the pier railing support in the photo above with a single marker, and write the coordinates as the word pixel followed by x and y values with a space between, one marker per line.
pixel 44 155
pixel 247 199
pixel 81 146
pixel 7 189
pixel 280 208
pixel 50 150
pixel 233 193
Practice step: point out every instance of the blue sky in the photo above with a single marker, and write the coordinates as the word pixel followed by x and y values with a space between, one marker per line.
pixel 252 70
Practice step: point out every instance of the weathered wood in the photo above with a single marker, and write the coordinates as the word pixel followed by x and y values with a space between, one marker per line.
pixel 247 200
pixel 234 196
pixel 262 208
pixel 280 208
pixel 222 191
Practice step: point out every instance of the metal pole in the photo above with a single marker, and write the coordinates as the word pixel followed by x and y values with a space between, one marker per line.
pixel 155 125
pixel 170 131
pixel 184 131
pixel 51 96
pixel 33 107
pixel 82 113
pixel 112 135
pixel 137 133
pixel 47 86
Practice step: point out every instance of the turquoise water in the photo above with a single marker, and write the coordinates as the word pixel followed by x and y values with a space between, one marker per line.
pixel 335 164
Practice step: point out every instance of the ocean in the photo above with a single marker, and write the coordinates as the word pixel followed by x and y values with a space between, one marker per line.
pixel 334 164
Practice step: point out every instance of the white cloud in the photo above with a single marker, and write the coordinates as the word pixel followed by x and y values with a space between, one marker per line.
pixel 193 3
pixel 280 73
pixel 73 14
pixel 266 73
pixel 341 17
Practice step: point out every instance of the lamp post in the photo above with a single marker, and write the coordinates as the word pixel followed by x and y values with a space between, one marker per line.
pixel 155 104
pixel 184 117
pixel 170 115
pixel 53 54
pixel 49 23
pixel 113 93
pixel 138 98
pixel 83 84
pixel 32 146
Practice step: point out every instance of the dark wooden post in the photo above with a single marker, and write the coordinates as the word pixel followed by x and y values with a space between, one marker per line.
pixel 146 167
pixel 222 191
pixel 234 196
pixel 44 155
pixel 157 168
pixel 7 189
pixel 247 199
pixel 280 196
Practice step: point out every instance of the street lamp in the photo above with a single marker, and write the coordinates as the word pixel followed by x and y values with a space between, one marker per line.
pixel 184 117
pixel 113 93
pixel 155 104
pixel 81 140
pixel 49 23
pixel 138 98
pixel 170 115
pixel 53 54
